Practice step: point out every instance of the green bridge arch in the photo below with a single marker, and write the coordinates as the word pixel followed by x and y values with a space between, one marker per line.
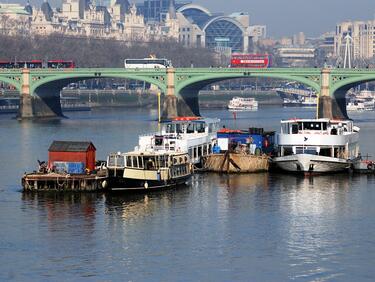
pixel 12 77
pixel 186 77
pixel 44 77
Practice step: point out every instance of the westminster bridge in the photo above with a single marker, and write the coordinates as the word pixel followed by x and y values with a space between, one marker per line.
pixel 40 88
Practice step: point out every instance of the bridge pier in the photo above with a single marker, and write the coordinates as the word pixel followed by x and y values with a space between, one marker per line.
pixel 325 100
pixel 44 104
pixel 176 106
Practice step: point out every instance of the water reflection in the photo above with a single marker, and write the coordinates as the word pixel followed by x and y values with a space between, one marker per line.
pixel 63 210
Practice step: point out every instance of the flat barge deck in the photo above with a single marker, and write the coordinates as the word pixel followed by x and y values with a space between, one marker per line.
pixel 64 182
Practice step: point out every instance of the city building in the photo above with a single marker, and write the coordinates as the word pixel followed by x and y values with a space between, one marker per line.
pixel 362 37
pixel 223 33
pixel 188 23
pixel 15 19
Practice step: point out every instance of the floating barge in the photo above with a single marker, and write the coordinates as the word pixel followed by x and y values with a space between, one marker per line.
pixel 71 167
pixel 236 163
pixel 240 151
pixel 60 182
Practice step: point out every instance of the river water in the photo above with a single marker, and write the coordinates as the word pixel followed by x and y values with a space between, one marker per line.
pixel 254 227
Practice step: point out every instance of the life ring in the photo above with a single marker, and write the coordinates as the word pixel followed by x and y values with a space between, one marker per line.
pixel 370 166
pixel 266 143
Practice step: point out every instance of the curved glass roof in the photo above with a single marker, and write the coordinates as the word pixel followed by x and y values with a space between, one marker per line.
pixel 224 33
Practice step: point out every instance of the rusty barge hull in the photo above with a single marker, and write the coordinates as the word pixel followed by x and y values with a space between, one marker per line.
pixel 236 163
pixel 61 182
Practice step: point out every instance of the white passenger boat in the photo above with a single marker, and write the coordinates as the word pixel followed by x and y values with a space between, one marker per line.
pixel 360 105
pixel 139 170
pixel 242 104
pixel 291 102
pixel 193 135
pixel 316 145
pixel 309 101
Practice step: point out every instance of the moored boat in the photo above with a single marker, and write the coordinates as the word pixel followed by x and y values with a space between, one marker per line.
pixel 239 151
pixel 147 170
pixel 193 135
pixel 316 145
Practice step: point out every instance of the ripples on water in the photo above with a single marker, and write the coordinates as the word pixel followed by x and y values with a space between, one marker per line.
pixel 255 227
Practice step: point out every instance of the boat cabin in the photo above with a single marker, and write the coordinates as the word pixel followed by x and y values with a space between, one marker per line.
pixel 325 137
pixel 149 165
pixel 252 141
pixel 194 135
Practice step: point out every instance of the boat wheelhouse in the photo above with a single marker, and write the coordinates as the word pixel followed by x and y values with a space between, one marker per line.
pixel 316 145
pixel 242 104
pixel 140 170
pixel 193 135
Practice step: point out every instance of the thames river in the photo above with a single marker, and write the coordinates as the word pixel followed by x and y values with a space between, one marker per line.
pixel 253 227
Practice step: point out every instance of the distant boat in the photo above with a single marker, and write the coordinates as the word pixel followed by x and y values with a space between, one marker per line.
pixel 310 101
pixel 242 104
pixel 360 105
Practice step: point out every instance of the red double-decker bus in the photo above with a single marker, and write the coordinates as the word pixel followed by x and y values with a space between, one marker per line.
pixel 250 61
pixel 60 64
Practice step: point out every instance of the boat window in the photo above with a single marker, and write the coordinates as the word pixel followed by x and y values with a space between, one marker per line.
pixel 158 140
pixel 300 126
pixel 120 161
pixel 200 127
pixel 199 151
pixel 294 128
pixel 325 152
pixel 150 162
pixel 312 126
pixel 163 161
pixel 171 128
pixel 179 128
pixel 135 161
pixel 195 152
pixel 306 150
pixel 288 151
pixel 140 162
pixel 205 149
pixel 209 148
pixel 116 160
pixel 324 126
pixel 128 161
pixel 190 152
pixel 190 128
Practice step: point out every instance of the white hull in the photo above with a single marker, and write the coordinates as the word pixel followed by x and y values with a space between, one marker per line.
pixel 311 163
pixel 231 108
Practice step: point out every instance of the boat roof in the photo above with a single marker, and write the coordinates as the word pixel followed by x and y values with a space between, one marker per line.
pixel 151 153
pixel 71 146
pixel 315 120
pixel 191 119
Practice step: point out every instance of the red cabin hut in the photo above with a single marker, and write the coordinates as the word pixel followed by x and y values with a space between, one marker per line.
pixel 72 156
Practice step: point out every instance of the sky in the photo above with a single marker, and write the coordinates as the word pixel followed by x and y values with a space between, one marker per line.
pixel 288 17
pixel 282 17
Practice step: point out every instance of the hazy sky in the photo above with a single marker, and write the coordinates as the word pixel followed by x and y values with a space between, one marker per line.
pixel 284 17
